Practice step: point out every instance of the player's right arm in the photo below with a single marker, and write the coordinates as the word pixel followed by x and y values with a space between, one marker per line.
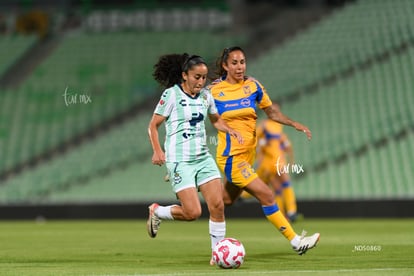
pixel 273 112
pixel 221 125
pixel 158 157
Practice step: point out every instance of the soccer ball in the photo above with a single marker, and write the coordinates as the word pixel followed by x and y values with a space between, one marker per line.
pixel 229 253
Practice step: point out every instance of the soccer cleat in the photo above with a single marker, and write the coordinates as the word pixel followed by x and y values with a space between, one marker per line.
pixel 153 222
pixel 306 243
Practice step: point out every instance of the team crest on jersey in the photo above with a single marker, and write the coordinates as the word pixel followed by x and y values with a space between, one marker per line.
pixel 205 101
pixel 162 102
pixel 247 90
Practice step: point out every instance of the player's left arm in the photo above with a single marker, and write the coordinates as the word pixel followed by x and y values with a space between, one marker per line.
pixel 273 112
pixel 221 125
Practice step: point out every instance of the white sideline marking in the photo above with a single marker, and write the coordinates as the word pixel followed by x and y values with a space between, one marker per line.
pixel 241 272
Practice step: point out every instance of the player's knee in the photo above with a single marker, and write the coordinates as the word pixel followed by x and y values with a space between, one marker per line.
pixel 216 209
pixel 266 199
pixel 220 207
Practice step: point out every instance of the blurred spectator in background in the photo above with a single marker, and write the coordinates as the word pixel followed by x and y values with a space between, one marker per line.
pixel 273 161
pixel 35 21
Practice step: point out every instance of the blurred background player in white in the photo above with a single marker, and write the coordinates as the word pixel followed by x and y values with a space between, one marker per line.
pixel 183 107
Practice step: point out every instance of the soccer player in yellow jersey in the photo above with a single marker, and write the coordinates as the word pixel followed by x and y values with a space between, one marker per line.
pixel 236 97
pixel 274 154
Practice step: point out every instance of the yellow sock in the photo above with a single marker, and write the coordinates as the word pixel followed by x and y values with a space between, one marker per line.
pixel 289 198
pixel 276 217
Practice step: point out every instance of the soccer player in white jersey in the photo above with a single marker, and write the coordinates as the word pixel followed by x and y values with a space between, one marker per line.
pixel 183 107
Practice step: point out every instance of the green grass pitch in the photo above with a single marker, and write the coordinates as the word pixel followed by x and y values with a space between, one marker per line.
pixel 122 247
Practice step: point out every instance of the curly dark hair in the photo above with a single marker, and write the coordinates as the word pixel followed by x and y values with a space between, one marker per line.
pixel 168 70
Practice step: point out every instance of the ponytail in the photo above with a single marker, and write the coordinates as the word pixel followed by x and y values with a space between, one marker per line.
pixel 168 70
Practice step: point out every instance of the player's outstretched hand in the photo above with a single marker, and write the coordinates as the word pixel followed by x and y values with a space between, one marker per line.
pixel 305 129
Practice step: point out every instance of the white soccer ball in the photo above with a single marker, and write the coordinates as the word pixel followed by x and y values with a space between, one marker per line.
pixel 229 253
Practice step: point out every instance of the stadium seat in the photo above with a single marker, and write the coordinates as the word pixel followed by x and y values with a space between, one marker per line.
pixel 357 150
pixel 348 37
pixel 12 47
pixel 113 69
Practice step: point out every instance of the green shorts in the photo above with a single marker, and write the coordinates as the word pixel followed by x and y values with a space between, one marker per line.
pixel 187 174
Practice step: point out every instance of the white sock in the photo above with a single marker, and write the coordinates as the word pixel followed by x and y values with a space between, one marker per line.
pixel 164 212
pixel 217 232
pixel 295 241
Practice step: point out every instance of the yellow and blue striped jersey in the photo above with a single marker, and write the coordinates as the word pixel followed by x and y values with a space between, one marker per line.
pixel 236 103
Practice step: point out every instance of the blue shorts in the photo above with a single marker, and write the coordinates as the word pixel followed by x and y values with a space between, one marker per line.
pixel 188 174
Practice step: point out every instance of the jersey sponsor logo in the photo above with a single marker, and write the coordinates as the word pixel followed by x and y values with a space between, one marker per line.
pixel 231 105
pixel 183 102
pixel 223 106
pixel 196 118
pixel 245 102
pixel 187 135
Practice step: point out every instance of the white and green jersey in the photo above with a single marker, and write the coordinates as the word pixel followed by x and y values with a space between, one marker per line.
pixel 185 129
